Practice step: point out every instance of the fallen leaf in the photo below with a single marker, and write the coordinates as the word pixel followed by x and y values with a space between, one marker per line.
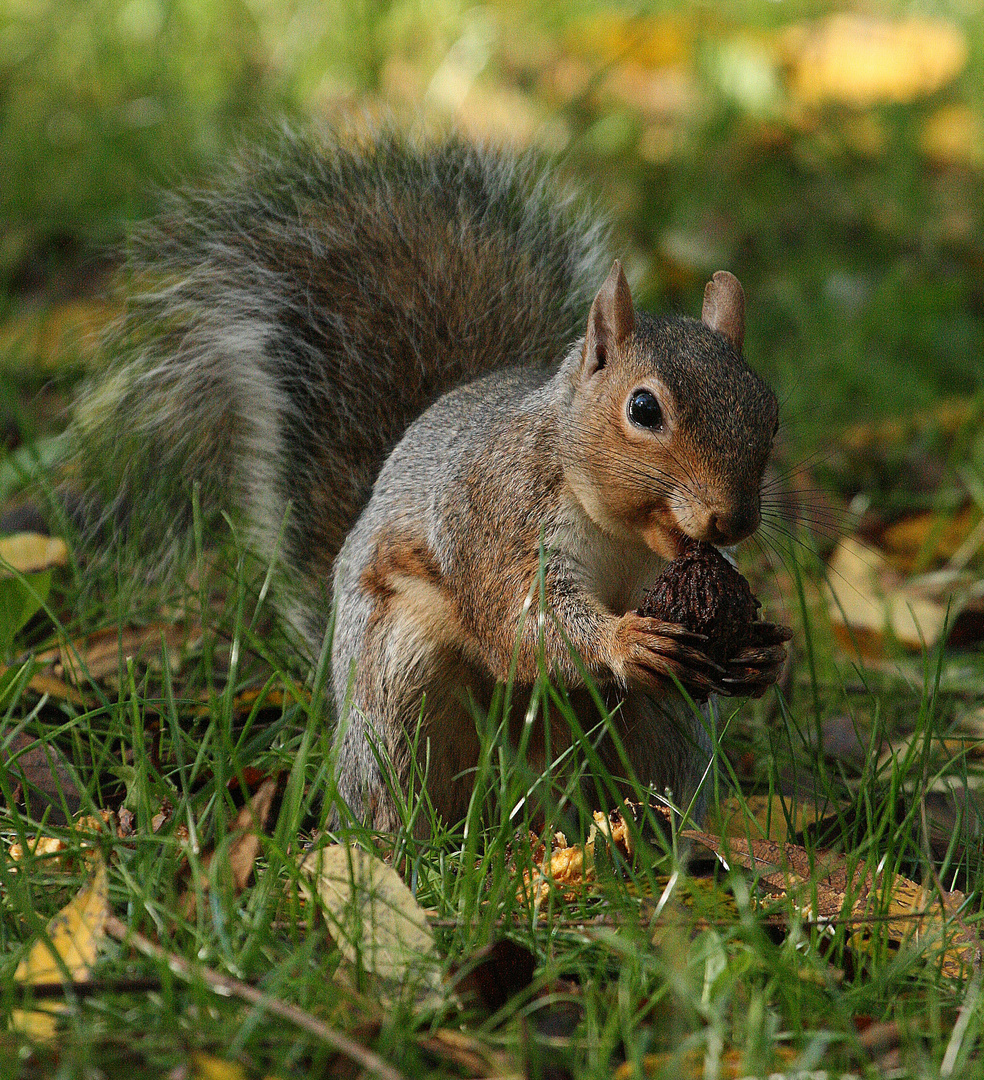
pixel 825 887
pixel 467 1055
pixel 730 1066
pixel 43 684
pixel 241 850
pixel 372 915
pixel 42 779
pixel 68 949
pixel 30 552
pixel 98 656
pixel 770 817
pixel 867 599
pixel 917 541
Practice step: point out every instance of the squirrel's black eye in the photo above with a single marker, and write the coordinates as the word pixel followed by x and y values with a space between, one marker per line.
pixel 644 410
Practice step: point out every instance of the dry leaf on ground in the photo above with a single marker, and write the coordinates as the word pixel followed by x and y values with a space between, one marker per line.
pixel 241 850
pixel 867 598
pixel 40 778
pixel 824 887
pixel 31 552
pixel 98 655
pixel 68 949
pixel 772 817
pixel 372 915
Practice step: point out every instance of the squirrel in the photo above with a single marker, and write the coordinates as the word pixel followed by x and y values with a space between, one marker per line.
pixel 413 369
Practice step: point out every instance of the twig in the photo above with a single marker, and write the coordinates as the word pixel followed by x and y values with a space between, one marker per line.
pixel 230 987
pixel 30 992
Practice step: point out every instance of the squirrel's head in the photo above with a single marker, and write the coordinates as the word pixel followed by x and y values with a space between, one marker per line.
pixel 670 430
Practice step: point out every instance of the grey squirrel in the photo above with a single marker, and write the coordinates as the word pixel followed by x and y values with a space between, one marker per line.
pixel 414 372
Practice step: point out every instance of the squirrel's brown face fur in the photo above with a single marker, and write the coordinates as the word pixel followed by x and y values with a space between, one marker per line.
pixel 666 408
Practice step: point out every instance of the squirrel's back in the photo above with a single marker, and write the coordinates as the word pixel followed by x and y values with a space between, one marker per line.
pixel 285 325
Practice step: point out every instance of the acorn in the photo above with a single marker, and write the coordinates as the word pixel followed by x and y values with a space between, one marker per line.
pixel 703 592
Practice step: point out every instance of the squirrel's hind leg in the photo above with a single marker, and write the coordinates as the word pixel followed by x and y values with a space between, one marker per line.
pixel 402 692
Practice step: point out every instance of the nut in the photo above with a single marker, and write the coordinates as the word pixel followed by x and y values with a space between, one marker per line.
pixel 703 592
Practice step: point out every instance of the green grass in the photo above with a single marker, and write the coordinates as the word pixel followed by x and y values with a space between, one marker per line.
pixel 861 266
pixel 709 979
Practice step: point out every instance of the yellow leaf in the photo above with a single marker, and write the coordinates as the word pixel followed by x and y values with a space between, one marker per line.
pixel 866 598
pixel 651 41
pixel 770 817
pixel 372 915
pixel 30 552
pixel 70 944
pixel 212 1068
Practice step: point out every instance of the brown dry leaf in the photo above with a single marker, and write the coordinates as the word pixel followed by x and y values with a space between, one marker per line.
pixel 244 702
pixel 98 655
pixel 40 778
pixel 242 849
pixel 467 1054
pixel 31 552
pixel 918 916
pixel 926 539
pixel 866 597
pixel 43 684
pixel 825 888
pixel 71 943
pixel 864 60
pixel 372 915
pixel 692 1063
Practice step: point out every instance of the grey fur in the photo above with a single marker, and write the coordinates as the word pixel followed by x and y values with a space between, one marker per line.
pixel 286 324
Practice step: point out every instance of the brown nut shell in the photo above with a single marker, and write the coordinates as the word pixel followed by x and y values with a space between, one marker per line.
pixel 703 592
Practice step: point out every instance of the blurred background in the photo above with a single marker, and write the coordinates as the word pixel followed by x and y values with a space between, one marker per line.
pixel 830 155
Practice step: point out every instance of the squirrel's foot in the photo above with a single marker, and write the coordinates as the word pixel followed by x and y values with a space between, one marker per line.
pixel 758 666
pixel 651 652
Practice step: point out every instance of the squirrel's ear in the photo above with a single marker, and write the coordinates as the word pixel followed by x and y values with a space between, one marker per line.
pixel 724 307
pixel 611 320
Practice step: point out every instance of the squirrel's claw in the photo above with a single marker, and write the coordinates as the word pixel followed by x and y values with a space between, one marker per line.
pixel 759 666
pixel 655 652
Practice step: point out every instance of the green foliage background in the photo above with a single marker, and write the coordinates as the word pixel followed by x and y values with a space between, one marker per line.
pixel 860 246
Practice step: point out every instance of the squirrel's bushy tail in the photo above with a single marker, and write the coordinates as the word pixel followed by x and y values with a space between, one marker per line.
pixel 285 325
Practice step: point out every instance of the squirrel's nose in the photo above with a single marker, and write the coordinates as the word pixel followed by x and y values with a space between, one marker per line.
pixel 727 527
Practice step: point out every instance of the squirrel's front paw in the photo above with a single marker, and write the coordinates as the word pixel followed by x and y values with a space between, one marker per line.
pixel 651 652
pixel 757 666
